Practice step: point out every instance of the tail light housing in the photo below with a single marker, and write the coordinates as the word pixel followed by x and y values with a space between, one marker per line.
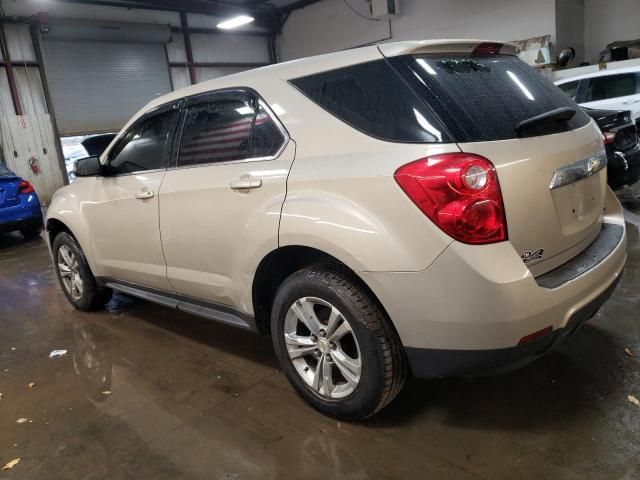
pixel 608 137
pixel 25 187
pixel 460 193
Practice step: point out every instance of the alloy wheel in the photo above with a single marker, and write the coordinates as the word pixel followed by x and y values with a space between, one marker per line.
pixel 69 269
pixel 323 347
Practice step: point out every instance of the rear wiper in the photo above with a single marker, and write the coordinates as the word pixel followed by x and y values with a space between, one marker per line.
pixel 550 119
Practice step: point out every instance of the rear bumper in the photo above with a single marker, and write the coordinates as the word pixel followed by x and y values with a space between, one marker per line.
pixel 27 213
pixel 467 313
pixel 433 363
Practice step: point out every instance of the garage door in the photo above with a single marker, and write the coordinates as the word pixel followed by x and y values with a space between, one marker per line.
pixel 96 80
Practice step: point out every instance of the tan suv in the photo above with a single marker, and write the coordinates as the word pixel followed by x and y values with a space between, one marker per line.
pixel 435 207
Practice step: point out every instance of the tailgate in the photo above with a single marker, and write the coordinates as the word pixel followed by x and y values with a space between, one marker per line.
pixel 548 226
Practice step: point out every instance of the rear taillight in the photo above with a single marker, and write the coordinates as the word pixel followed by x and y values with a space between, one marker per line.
pixel 460 193
pixel 608 137
pixel 25 187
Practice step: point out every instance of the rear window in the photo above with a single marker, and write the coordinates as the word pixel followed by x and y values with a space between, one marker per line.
pixel 374 99
pixel 485 98
pixel 5 172
pixel 430 99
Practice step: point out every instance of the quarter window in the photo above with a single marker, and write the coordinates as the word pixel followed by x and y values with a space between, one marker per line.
pixel 611 86
pixel 145 146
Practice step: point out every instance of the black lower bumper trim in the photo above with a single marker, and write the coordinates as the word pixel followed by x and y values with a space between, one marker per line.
pixel 20 225
pixel 434 363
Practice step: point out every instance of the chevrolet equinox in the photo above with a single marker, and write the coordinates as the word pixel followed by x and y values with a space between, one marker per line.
pixel 433 207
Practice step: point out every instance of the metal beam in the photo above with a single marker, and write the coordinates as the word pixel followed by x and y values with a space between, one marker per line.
pixel 15 97
pixel 296 6
pixel 187 46
pixel 217 31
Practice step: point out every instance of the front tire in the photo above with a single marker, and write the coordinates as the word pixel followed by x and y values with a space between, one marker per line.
pixel 74 275
pixel 335 344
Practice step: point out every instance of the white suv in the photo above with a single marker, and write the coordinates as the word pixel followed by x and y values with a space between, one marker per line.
pixel 431 206
pixel 616 89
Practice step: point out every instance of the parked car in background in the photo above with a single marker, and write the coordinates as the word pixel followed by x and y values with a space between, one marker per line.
pixel 435 207
pixel 19 205
pixel 620 135
pixel 74 149
pixel 617 89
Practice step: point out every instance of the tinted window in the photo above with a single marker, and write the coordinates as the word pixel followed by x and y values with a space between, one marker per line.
pixel 611 86
pixel 266 138
pixel 5 172
pixel 570 88
pixel 145 146
pixel 372 98
pixel 217 131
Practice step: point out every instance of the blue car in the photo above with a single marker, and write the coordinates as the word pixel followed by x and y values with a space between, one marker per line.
pixel 19 205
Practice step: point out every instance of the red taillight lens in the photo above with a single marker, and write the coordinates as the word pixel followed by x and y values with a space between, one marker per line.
pixel 608 137
pixel 25 187
pixel 460 193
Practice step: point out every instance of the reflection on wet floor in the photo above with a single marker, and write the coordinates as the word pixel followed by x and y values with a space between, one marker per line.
pixel 147 392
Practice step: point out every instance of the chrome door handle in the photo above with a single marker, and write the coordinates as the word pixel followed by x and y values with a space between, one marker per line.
pixel 144 195
pixel 245 183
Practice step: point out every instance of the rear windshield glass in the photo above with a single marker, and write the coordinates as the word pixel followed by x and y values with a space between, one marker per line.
pixel 485 98
pixel 374 99
pixel 5 172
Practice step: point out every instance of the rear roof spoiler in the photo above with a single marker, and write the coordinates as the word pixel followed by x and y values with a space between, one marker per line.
pixel 468 47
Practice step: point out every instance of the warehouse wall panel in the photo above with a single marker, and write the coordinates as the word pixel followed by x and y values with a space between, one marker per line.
pixel 31 137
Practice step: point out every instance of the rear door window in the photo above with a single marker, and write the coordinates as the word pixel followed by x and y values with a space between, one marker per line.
pixel 484 98
pixel 612 86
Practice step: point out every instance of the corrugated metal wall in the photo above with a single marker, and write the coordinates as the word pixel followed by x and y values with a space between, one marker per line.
pixel 32 133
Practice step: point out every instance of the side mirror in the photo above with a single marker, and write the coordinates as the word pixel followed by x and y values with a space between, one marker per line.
pixel 88 167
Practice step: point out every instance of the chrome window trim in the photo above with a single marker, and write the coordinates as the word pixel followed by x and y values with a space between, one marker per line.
pixel 579 170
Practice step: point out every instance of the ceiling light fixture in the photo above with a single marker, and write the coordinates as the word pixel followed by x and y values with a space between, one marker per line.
pixel 235 22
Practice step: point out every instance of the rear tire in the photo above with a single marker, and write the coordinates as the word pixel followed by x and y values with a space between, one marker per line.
pixel 366 363
pixel 74 275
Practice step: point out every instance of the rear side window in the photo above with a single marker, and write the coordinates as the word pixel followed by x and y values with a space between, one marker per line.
pixel 485 98
pixel 218 131
pixel 611 86
pixel 228 129
pixel 145 146
pixel 374 99
pixel 570 88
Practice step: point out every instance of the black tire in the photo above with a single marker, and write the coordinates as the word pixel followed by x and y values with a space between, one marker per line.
pixel 31 231
pixel 384 367
pixel 93 297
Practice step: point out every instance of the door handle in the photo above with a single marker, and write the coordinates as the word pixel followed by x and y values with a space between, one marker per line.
pixel 245 183
pixel 144 195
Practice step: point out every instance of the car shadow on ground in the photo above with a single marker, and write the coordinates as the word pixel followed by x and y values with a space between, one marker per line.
pixel 15 239
pixel 559 387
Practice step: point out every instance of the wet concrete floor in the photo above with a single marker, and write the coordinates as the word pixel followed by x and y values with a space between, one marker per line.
pixel 147 392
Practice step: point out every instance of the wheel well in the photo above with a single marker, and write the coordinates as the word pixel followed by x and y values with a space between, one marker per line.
pixel 54 227
pixel 276 267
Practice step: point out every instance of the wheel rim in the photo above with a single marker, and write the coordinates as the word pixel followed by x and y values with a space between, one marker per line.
pixel 323 347
pixel 70 272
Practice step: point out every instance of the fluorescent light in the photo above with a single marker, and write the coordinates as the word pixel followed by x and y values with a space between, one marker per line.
pixel 235 22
